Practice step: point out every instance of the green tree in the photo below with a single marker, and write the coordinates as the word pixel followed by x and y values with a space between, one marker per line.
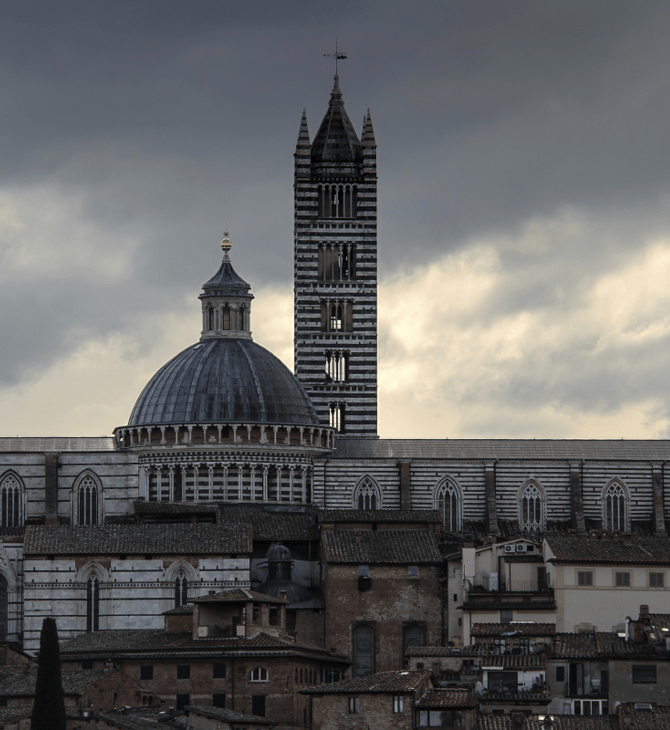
pixel 49 707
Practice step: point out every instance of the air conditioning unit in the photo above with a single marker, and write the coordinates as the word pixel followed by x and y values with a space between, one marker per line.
pixel 510 548
pixel 521 548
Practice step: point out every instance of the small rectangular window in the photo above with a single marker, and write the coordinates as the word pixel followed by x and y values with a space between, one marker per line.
pixel 87 665
pixel 219 671
pixel 363 571
pixel 219 700
pixel 560 674
pixel 398 704
pixel 644 673
pixel 182 701
pixel 183 671
pixel 622 580
pixel 584 578
pixel 413 571
pixel 352 705
pixel 656 580
pixel 456 597
pixel 147 671
pixel 506 615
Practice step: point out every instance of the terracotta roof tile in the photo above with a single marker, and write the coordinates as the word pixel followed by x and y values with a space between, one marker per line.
pixel 513 629
pixel 220 713
pixel 447 698
pixel 640 550
pixel 399 547
pixel 274 522
pixel 238 595
pixel 162 539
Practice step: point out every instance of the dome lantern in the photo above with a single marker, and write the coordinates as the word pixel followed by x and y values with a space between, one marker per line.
pixel 226 301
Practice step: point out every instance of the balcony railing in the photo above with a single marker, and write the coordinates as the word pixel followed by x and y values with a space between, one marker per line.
pixel 512 586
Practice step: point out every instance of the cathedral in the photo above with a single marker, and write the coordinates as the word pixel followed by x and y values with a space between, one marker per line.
pixel 228 456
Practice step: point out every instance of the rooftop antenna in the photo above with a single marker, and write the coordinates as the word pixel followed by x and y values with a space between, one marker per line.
pixel 337 56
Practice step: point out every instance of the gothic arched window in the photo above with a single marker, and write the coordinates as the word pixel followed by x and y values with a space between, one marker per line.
pixel 615 507
pixel 92 604
pixel 532 508
pixel 363 651
pixel 447 500
pixel 11 501
pixel 87 499
pixel 367 495
pixel 180 591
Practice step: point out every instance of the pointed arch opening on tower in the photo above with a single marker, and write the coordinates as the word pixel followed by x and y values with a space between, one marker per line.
pixel 367 495
pixel 337 261
pixel 337 315
pixel 338 412
pixel 87 501
pixel 532 505
pixel 338 200
pixel 337 365
pixel 615 501
pixel 448 502
pixel 12 500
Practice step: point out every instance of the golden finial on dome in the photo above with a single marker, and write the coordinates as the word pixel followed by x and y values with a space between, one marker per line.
pixel 225 243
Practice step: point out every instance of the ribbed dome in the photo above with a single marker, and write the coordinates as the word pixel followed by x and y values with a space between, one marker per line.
pixel 224 381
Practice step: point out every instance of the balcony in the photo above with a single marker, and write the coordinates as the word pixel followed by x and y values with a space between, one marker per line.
pixel 512 586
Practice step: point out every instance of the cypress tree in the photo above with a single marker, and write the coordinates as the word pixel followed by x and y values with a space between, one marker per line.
pixel 49 707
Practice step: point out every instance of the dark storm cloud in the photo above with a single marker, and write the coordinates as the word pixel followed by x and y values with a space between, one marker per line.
pixel 164 120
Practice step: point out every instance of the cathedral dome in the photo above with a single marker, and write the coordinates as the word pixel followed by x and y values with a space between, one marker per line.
pixel 224 380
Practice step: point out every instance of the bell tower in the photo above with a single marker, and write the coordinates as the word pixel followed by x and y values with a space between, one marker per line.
pixel 335 276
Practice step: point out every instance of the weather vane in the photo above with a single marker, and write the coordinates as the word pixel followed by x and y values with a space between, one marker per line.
pixel 337 56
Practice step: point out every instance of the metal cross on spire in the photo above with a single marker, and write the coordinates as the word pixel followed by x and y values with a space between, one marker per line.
pixel 337 56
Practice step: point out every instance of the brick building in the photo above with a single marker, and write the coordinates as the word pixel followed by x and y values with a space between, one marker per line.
pixel 384 700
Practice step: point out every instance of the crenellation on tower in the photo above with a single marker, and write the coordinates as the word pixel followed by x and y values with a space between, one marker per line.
pixel 335 274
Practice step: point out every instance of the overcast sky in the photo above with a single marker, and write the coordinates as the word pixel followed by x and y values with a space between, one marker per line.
pixel 524 201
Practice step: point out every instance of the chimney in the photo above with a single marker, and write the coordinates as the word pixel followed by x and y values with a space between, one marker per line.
pixel 644 612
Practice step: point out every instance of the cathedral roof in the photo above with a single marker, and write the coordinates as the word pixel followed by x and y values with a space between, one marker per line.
pixel 163 539
pixel 224 381
pixel 336 140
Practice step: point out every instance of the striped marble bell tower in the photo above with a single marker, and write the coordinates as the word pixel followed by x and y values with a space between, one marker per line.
pixel 335 327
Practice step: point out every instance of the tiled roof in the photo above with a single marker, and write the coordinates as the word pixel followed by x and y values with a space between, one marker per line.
pixel 57 443
pixel 12 714
pixel 395 681
pixel 142 507
pixel 162 539
pixel 601 449
pixel 141 718
pixel 274 522
pixel 179 611
pixel 641 550
pixel 430 516
pixel 401 547
pixel 573 646
pixel 657 719
pixel 168 644
pixel 447 698
pixel 513 629
pixel 220 713
pixel 533 722
pixel 238 595
pixel 123 639
pixel 513 661
pixel 21 681
pixel 431 651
